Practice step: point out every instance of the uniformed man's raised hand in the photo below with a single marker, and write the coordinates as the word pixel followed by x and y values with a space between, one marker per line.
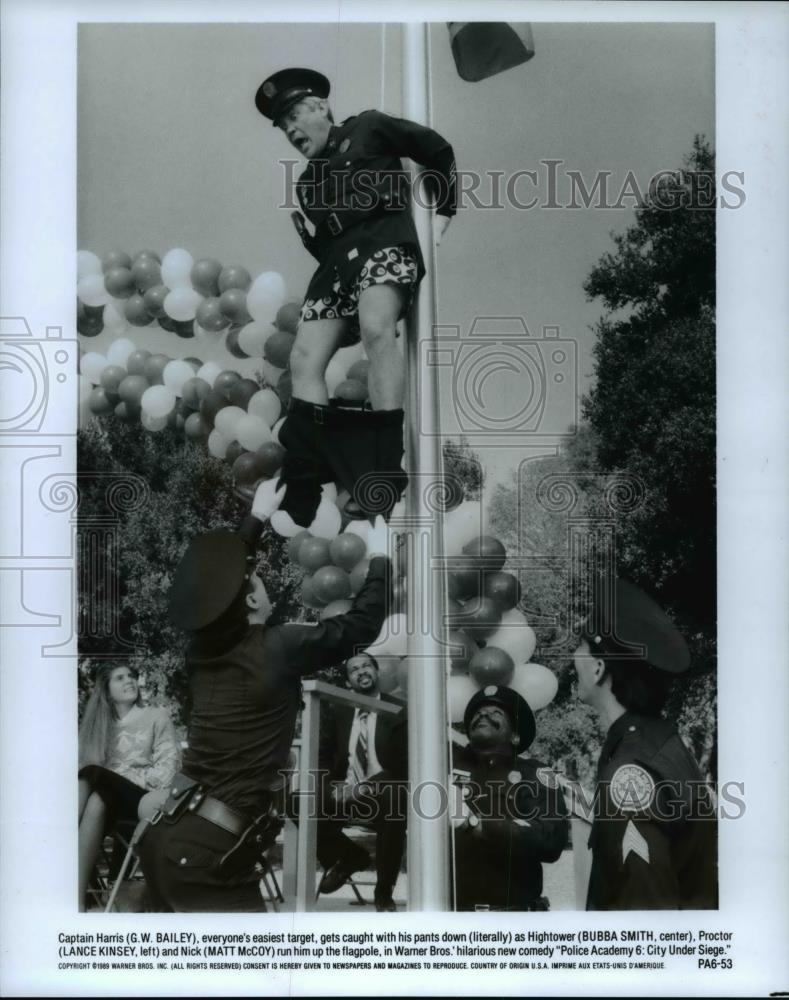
pixel 440 226
pixel 378 538
pixel 267 499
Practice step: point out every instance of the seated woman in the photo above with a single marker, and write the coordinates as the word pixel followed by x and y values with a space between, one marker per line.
pixel 128 756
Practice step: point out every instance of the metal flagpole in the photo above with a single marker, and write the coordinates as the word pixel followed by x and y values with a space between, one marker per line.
pixel 428 825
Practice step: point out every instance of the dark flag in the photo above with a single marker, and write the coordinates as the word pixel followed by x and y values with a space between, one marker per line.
pixel 485 48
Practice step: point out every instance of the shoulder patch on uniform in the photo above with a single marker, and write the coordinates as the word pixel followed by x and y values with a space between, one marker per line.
pixel 632 788
pixel 634 843
pixel 547 777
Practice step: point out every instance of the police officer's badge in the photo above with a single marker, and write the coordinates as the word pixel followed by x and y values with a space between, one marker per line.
pixel 547 777
pixel 632 788
pixel 269 89
pixel 514 777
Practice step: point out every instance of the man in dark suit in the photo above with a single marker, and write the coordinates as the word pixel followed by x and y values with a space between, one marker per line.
pixel 365 755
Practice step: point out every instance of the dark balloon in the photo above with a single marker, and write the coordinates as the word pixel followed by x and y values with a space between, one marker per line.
pixel 135 311
pixel 147 273
pixel 329 583
pixel 115 258
pixel 193 391
pixel 184 328
pixel 90 326
pixel 119 282
pixel 210 405
pixel 351 390
pixel 247 469
pixel 234 451
pixel 503 588
pixel 101 402
pixel 288 317
pixel 205 276
pixel 131 389
pixel 195 428
pixel 233 304
pixel 488 550
pixel 225 381
pixel 346 550
pixel 294 544
pixel 277 348
pixel 314 553
pixel 480 617
pixel 242 391
pixel 135 363
pixel 153 299
pixel 234 276
pixel 154 368
pixel 210 316
pixel 112 376
pixel 491 666
pixel 461 648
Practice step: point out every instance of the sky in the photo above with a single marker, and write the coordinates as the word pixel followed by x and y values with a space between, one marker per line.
pixel 172 153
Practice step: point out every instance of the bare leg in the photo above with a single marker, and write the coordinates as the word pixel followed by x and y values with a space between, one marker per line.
pixel 379 307
pixel 91 832
pixel 316 342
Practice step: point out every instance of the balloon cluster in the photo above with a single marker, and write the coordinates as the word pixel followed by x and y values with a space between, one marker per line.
pixel 188 297
pixel 490 640
pixel 237 419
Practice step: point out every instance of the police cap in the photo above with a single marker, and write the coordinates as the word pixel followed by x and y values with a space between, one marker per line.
pixel 516 707
pixel 284 89
pixel 631 619
pixel 208 579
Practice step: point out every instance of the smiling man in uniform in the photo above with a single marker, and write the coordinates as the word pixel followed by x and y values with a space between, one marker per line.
pixel 356 194
pixel 514 816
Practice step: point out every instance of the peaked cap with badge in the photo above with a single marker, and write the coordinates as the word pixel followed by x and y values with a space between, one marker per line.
pixel 208 579
pixel 516 707
pixel 280 91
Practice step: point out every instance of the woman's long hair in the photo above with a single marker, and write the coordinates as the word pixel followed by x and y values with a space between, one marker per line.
pixel 99 716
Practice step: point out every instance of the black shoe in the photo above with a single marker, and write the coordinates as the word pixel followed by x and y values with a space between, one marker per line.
pixel 385 905
pixel 336 876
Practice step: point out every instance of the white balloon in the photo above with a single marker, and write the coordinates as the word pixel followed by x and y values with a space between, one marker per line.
pixel 113 318
pixel 534 683
pixel 335 373
pixel 119 350
pixel 329 492
pixel 327 521
pixel 461 689
pixel 217 444
pixel 253 336
pixel 92 365
pixel 209 372
pixel 151 423
pixel 227 421
pixel 87 263
pixel 461 526
pixel 91 290
pixel 270 372
pixel 276 429
pixel 176 373
pixel 392 640
pixel 252 432
pixel 284 525
pixel 265 404
pixel 177 268
pixel 158 401
pixel 515 636
pixel 181 303
pixel 266 294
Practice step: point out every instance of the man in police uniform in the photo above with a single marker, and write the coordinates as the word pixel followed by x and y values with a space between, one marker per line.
pixel 199 854
pixel 356 194
pixel 515 817
pixel 654 839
